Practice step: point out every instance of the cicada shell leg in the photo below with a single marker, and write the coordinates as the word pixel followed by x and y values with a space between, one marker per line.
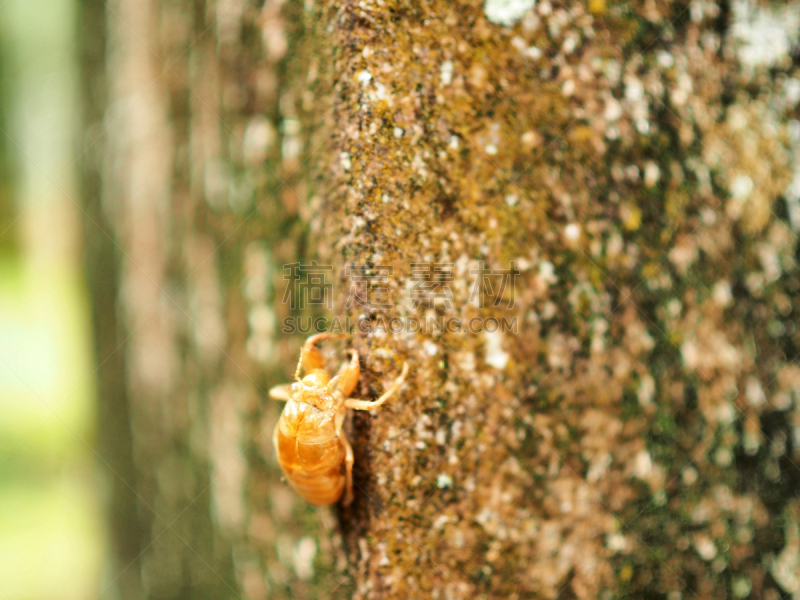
pixel 349 372
pixel 348 456
pixel 370 404
pixel 348 466
pixel 310 358
pixel 281 392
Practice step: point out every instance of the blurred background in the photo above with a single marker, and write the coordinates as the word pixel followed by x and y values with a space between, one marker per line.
pixel 99 499
pixel 52 523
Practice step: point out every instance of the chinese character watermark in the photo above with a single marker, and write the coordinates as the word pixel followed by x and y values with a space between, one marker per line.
pixel 307 286
pixel 369 278
pixel 370 286
pixel 430 285
pixel 483 288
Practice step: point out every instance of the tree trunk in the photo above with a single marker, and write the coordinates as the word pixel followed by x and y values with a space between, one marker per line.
pixel 574 221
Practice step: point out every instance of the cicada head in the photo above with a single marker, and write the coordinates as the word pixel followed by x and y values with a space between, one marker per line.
pixel 315 390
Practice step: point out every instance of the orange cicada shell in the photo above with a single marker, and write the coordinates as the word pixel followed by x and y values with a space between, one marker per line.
pixel 309 441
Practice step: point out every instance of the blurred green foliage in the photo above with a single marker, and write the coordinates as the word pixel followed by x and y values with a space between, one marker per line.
pixel 7 213
pixel 51 515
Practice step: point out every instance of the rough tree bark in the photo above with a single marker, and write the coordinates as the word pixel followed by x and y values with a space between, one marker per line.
pixel 636 435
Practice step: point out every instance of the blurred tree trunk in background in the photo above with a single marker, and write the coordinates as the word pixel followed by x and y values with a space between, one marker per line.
pixel 638 434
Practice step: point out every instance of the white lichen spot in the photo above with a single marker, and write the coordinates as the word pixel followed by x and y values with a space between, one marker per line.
pixel 545 8
pixel 665 59
pixel 741 187
pixel 530 139
pixel 440 521
pixel 647 390
pixel 304 555
pixel 364 77
pixel 741 587
pixel 531 22
pixel 643 465
pixel 292 143
pixel 770 262
pixel 722 294
pixel 454 142
pixel 786 567
pixel 547 272
pixel 533 53
pixel 765 35
pixel 634 89
pixel 616 542
pixel 754 392
pixel 258 138
pixel 444 481
pixel 705 547
pixel 549 310
pixel 572 232
pixel 792 194
pixel 447 72
pixel 495 355
pixel 613 110
pixel 726 413
pixel 419 165
pixel 651 174
pixel 422 425
pixel 791 92
pixel 708 216
pixel 518 43
pixel 344 160
pixel 466 361
pixel 398 132
pixel 751 442
pixel 684 253
pixel 506 12
pixel 384 559
pixel 689 476
pixel 723 457
pixel 484 517
pixel 598 467
pixel 441 437
pixel 491 149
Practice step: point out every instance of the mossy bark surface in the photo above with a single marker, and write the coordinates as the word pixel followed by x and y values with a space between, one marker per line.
pixel 637 433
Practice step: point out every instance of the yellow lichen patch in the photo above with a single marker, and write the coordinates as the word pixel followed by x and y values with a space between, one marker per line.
pixel 632 219
pixel 752 165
